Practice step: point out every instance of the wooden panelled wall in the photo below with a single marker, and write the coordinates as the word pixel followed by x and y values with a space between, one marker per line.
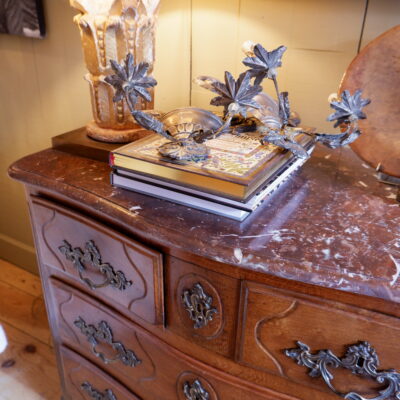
pixel 42 91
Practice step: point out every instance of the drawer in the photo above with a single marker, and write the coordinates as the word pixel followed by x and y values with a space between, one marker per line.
pixel 201 305
pixel 119 270
pixel 143 363
pixel 274 320
pixel 84 381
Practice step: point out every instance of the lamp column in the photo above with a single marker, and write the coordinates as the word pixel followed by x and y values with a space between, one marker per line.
pixel 110 29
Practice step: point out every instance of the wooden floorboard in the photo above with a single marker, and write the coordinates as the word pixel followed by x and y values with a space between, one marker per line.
pixel 20 278
pixel 27 362
pixel 24 312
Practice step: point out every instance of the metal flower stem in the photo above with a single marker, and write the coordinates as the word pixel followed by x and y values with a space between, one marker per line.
pixel 131 105
pixel 281 112
pixel 350 128
pixel 132 110
pixel 335 140
pixel 228 119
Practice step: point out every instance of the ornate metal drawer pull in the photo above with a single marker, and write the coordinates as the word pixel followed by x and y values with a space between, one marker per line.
pixel 195 391
pixel 199 306
pixel 361 359
pixel 95 394
pixel 92 255
pixel 103 333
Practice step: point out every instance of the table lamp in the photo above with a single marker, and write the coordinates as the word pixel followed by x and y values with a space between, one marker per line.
pixel 111 29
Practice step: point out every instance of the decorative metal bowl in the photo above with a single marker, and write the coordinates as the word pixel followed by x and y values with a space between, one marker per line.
pixel 184 121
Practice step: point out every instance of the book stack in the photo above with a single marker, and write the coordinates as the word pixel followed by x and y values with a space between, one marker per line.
pixel 237 177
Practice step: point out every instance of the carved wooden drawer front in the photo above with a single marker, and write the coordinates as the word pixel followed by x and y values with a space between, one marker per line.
pixel 84 381
pixel 143 363
pixel 201 305
pixel 273 320
pixel 117 269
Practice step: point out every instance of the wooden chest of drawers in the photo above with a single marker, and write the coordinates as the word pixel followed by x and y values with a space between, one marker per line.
pixel 170 303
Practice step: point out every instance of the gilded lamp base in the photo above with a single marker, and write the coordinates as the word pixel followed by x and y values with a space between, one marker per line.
pixel 115 135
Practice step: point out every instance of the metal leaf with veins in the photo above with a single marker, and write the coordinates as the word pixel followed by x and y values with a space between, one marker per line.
pixel 284 139
pixel 349 109
pixel 347 112
pixel 148 122
pixel 264 63
pixel 130 80
pixel 334 141
pixel 235 96
pixel 207 82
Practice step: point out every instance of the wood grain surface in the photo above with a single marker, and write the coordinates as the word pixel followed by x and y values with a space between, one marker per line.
pixel 322 231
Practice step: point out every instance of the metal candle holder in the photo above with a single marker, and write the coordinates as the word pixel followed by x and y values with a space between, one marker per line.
pixel 246 109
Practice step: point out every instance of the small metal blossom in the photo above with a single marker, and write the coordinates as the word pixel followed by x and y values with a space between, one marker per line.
pixel 264 63
pixel 130 80
pixel 349 109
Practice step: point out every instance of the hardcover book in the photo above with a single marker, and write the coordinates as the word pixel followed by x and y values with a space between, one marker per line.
pixel 237 165
pixel 199 199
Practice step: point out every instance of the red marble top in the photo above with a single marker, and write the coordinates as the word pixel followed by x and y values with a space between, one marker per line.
pixel 331 224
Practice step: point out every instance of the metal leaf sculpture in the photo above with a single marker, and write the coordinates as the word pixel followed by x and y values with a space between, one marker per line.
pixel 284 139
pixel 241 101
pixel 349 109
pixel 149 122
pixel 207 82
pixel 347 113
pixel 235 96
pixel 264 63
pixel 130 80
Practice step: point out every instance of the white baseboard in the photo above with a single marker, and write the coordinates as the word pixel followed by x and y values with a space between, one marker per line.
pixel 18 253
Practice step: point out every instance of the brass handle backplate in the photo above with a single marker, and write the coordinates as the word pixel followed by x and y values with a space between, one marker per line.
pixel 361 359
pixel 103 333
pixel 199 306
pixel 195 391
pixel 91 255
pixel 95 394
